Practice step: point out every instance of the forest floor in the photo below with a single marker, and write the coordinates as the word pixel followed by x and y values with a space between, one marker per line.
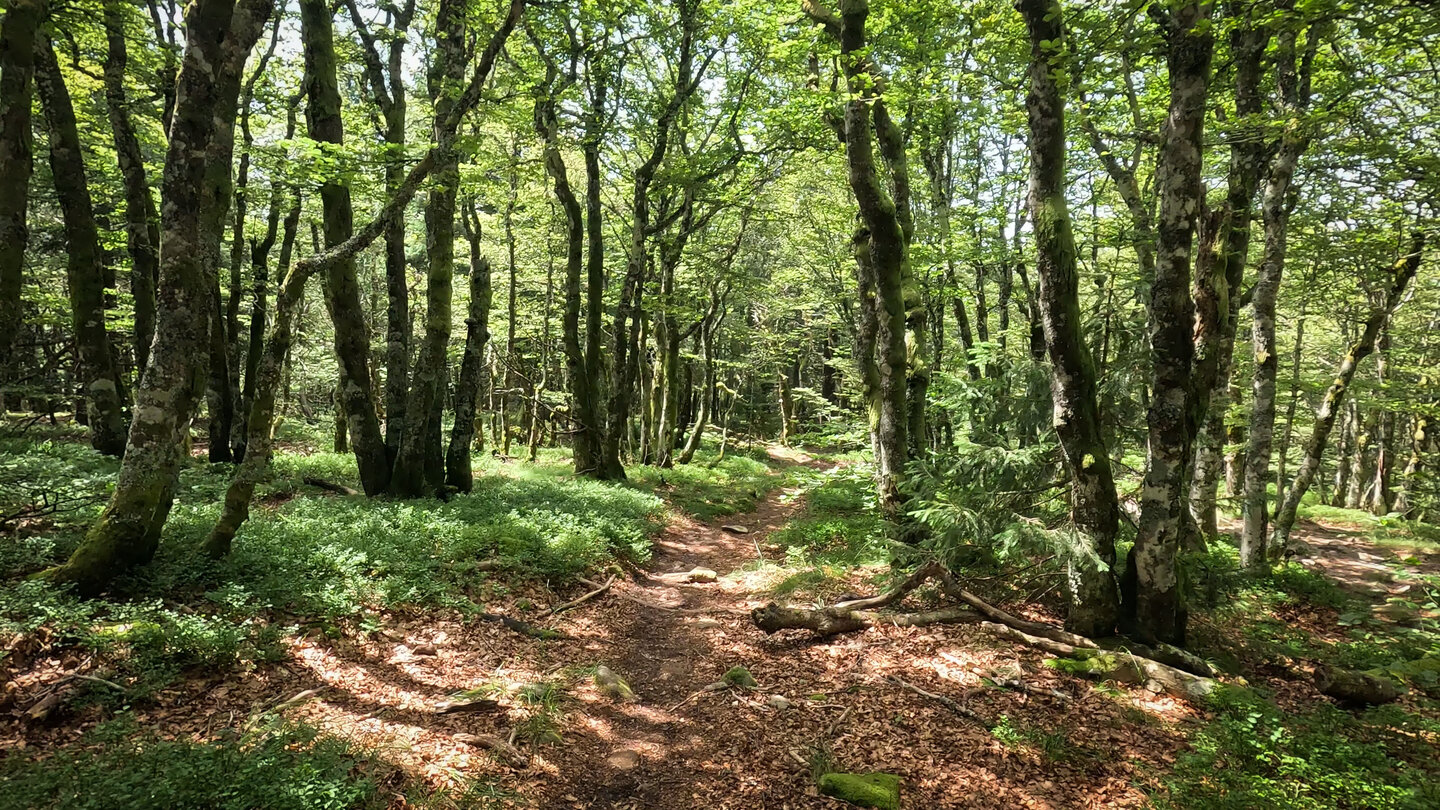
pixel 419 694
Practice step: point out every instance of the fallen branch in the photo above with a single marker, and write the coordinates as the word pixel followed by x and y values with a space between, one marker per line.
pixel 587 597
pixel 329 486
pixel 948 703
pixel 523 628
pixel 1119 666
pixel 833 620
pixel 507 753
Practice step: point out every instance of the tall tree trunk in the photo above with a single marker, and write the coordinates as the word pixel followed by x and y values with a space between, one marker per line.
pixel 1343 449
pixel 419 467
pixel 583 385
pixel 512 289
pixel 219 35
pixel 1094 507
pixel 1403 272
pixel 95 364
pixel 1404 499
pixel 17 67
pixel 1158 610
pixel 537 398
pixel 352 336
pixel 713 317
pixel 142 222
pixel 1283 452
pixel 458 471
pixel 1380 492
pixel 387 87
pixel 1294 91
pixel 1247 160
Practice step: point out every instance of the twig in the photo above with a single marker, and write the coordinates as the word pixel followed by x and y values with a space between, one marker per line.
pixel 587 597
pixel 941 699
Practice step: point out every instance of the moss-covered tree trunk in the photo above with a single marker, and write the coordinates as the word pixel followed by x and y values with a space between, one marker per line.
pixel 1403 272
pixel 387 88
pixel 418 468
pixel 1094 508
pixel 142 222
pixel 95 367
pixel 1158 610
pixel 1247 163
pixel 17 67
pixel 352 335
pixel 1293 85
pixel 219 36
pixel 458 472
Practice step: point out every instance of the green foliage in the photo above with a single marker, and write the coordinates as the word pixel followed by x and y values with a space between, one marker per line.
pixel 838 529
pixel 709 487
pixel 1253 754
pixel 287 767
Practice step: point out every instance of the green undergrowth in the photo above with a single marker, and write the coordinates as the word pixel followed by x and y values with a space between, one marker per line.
pixel 837 530
pixel 306 559
pixel 120 766
pixel 709 486
pixel 1254 754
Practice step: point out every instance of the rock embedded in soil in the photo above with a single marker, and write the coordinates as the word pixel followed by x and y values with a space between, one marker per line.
pixel 701 575
pixel 623 759
pixel 612 686
pixel 880 791
pixel 707 623
pixel 778 702
pixel 735 528
pixel 424 649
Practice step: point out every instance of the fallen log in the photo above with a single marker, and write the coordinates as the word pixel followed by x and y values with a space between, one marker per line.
pixel 1350 686
pixel 329 486
pixel 1118 666
pixel 833 620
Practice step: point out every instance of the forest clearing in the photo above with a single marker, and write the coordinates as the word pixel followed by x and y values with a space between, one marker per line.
pixel 762 404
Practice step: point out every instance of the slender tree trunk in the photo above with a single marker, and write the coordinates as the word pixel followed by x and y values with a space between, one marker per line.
pixel 1276 216
pixel 1404 501
pixel 352 336
pixel 1094 507
pixel 95 363
pixel 1403 272
pixel 537 400
pixel 1343 450
pixel 219 35
pixel 17 67
pixel 142 222
pixel 458 471
pixel 1381 494
pixel 1283 454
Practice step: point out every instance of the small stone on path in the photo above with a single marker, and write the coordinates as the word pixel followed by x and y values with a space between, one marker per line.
pixel 700 575
pixel 735 528
pixel 779 702
pixel 424 649
pixel 706 623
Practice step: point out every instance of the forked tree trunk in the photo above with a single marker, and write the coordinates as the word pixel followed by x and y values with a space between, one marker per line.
pixel 1094 508
pixel 95 363
pixel 219 35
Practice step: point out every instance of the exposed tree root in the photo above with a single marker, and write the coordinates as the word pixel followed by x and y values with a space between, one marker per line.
pixel 507 753
pixel 329 486
pixel 523 628
pixel 561 608
pixel 1175 671
pixel 948 703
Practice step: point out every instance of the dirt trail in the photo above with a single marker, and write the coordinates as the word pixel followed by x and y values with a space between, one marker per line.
pixel 671 643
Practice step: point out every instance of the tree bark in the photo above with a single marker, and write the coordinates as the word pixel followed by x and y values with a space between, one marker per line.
pixel 1294 92
pixel 1158 611
pixel 418 469
pixel 458 472
pixel 17 67
pixel 95 363
pixel 352 336
pixel 1094 508
pixel 1402 274
pixel 142 222
pixel 219 36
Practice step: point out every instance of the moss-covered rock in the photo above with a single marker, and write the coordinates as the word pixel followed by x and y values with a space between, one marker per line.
pixel 877 790
pixel 740 676
pixel 612 686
